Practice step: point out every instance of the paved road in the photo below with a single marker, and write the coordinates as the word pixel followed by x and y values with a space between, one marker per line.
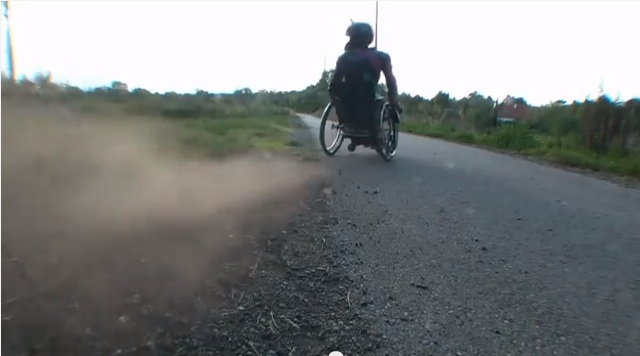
pixel 468 252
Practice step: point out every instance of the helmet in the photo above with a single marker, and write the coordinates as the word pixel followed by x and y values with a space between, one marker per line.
pixel 360 33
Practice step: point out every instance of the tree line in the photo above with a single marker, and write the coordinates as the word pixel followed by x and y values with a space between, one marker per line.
pixel 602 126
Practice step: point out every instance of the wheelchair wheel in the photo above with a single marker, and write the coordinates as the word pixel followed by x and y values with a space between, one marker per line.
pixel 325 131
pixel 389 132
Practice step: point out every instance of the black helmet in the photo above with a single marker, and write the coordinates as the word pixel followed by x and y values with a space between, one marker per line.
pixel 360 33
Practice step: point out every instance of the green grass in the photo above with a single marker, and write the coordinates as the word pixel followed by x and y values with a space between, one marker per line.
pixel 205 125
pixel 523 141
pixel 216 125
pixel 215 137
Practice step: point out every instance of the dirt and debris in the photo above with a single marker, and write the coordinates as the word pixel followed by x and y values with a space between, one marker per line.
pixel 295 299
pixel 300 302
pixel 112 248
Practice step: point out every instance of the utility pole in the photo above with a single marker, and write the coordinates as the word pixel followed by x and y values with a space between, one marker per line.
pixel 11 59
pixel 376 37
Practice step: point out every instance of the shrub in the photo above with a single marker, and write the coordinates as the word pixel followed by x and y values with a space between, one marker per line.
pixel 516 137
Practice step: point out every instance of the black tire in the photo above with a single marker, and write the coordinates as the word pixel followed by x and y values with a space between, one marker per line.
pixel 395 132
pixel 337 143
pixel 388 147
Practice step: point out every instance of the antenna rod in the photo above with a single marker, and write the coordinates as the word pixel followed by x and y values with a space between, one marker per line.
pixel 376 36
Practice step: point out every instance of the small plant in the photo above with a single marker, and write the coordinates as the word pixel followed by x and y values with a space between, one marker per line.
pixel 517 137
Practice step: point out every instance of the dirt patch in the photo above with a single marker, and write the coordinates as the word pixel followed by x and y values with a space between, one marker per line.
pixel 298 300
pixel 112 242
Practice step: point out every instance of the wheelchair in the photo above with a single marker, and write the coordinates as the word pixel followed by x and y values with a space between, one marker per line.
pixel 381 136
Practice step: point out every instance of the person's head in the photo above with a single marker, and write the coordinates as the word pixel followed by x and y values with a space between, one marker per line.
pixel 360 35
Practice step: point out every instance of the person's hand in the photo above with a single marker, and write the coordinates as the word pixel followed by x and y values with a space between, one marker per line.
pixel 396 106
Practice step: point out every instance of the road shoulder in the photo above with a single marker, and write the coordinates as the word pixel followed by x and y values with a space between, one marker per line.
pixel 297 299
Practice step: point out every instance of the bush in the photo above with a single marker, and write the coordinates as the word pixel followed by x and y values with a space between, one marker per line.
pixel 516 137
pixel 465 137
pixel 572 133
pixel 205 124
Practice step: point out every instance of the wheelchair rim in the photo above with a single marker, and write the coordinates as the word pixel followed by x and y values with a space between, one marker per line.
pixel 390 133
pixel 337 141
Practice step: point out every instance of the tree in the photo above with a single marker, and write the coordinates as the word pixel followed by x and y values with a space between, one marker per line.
pixel 116 85
pixel 325 79
pixel 243 91
pixel 520 101
pixel 441 100
pixel 381 89
pixel 43 80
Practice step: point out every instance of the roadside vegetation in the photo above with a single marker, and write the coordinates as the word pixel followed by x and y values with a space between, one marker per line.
pixel 601 134
pixel 204 124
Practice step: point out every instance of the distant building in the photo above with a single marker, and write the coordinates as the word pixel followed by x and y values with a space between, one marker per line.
pixel 512 110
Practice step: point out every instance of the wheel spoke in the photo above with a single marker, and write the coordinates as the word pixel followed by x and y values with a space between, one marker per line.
pixel 335 141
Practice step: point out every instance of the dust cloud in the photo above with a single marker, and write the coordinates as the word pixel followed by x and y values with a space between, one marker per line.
pixel 108 234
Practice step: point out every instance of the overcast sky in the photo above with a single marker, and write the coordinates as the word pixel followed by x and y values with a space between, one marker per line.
pixel 541 50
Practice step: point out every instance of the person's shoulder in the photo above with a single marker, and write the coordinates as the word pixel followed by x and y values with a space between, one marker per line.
pixel 382 55
pixel 346 54
pixel 342 58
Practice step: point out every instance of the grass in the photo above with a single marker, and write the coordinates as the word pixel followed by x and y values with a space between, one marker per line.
pixel 204 125
pixel 235 135
pixel 217 125
pixel 523 141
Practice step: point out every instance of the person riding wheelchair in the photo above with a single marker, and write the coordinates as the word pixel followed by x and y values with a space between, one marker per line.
pixel 353 86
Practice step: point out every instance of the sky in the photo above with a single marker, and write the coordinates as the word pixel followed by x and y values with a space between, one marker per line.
pixel 540 50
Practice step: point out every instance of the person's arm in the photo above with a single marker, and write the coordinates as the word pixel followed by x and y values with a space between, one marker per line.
pixel 336 80
pixel 392 85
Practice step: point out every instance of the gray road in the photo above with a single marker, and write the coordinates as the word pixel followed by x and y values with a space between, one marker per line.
pixel 468 252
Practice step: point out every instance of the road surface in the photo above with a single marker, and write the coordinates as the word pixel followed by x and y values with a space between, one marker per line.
pixel 468 252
